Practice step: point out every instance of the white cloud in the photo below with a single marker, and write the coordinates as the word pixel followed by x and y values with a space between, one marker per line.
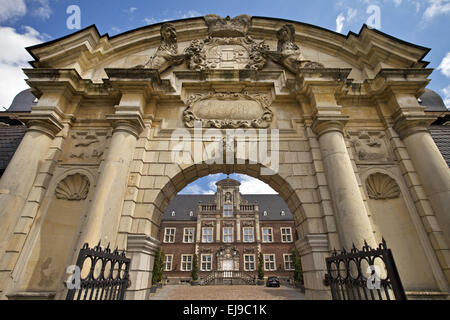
pixel 13 57
pixel 195 189
pixel 251 185
pixel 436 7
pixel 446 92
pixel 444 67
pixel 42 10
pixel 11 9
pixel 130 10
pixel 340 22
pixel 189 14
pixel 177 15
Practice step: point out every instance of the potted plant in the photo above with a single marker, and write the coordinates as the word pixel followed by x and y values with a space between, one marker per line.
pixel 194 272
pixel 260 281
pixel 298 273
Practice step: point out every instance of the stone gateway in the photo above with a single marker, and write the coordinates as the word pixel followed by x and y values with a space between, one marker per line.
pixel 357 159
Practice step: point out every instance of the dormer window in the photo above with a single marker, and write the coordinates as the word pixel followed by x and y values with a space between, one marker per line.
pixel 173 213
pixel 282 213
pixel 191 213
pixel 265 213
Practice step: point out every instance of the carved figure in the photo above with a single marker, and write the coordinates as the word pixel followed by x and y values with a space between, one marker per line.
pixel 288 54
pixel 167 53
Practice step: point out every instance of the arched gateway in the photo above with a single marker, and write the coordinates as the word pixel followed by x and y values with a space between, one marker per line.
pixel 123 123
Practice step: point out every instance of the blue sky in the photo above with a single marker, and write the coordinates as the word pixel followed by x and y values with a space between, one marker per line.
pixel 28 22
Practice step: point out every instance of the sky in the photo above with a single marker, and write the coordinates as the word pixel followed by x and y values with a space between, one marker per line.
pixel 28 22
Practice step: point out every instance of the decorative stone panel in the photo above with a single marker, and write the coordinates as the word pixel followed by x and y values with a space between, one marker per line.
pixel 73 187
pixel 381 187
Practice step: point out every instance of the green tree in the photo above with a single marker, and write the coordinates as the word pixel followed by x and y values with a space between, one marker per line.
pixel 298 273
pixel 260 266
pixel 158 266
pixel 194 273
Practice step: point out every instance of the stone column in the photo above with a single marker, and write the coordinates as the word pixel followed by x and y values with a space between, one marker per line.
pixel 429 164
pixel 141 250
pixel 353 222
pixel 19 176
pixel 104 214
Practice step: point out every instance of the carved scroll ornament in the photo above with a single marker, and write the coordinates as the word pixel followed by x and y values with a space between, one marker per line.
pixel 228 110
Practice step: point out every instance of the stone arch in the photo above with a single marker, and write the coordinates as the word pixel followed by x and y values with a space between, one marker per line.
pixel 309 222
pixel 395 218
pixel 55 234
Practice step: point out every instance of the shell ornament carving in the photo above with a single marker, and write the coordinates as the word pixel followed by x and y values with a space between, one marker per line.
pixel 73 187
pixel 380 187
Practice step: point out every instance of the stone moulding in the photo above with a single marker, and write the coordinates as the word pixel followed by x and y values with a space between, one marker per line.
pixel 381 187
pixel 228 110
pixel 73 187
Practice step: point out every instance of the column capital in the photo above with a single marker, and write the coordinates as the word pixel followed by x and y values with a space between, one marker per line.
pixel 128 122
pixel 322 124
pixel 312 243
pixel 142 244
pixel 405 125
pixel 46 123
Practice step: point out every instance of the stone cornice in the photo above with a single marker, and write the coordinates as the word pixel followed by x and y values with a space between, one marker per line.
pixel 142 244
pixel 312 243
pixel 128 122
pixel 49 120
pixel 137 79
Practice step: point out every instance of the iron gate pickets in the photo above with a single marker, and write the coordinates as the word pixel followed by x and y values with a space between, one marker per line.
pixel 108 274
pixel 346 272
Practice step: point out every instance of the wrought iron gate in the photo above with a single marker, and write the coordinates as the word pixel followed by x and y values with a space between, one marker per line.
pixel 103 274
pixel 346 272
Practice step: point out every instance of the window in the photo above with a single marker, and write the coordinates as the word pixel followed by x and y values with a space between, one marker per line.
pixel 206 264
pixel 249 262
pixel 173 213
pixel 186 262
pixel 288 262
pixel 267 234
pixel 168 259
pixel 207 235
pixel 286 235
pixel 265 213
pixel 282 213
pixel 188 235
pixel 228 234
pixel 248 234
pixel 227 210
pixel 269 262
pixel 169 235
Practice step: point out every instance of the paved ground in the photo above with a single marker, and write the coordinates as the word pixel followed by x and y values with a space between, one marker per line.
pixel 227 292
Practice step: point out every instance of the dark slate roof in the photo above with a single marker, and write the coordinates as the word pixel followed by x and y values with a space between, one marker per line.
pixel 22 102
pixel 432 101
pixel 441 136
pixel 10 137
pixel 183 204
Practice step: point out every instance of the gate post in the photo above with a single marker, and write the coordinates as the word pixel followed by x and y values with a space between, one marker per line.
pixel 141 249
pixel 313 249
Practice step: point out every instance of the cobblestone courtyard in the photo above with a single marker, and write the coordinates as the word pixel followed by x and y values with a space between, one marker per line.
pixel 227 292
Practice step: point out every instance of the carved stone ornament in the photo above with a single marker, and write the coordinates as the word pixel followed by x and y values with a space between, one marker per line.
pixel 85 146
pixel 228 27
pixel 167 53
pixel 226 53
pixel 370 146
pixel 228 110
pixel 73 187
pixel 381 187
pixel 208 224
pixel 288 54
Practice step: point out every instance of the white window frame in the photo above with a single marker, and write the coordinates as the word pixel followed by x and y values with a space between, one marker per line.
pixel 225 234
pixel 270 234
pixel 186 263
pixel 206 263
pixel 166 262
pixel 266 261
pixel 207 235
pixel 249 262
pixel 228 212
pixel 285 262
pixel 191 240
pixel 166 235
pixel 251 234
pixel 286 234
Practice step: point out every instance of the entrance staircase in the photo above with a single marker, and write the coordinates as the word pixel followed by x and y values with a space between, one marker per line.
pixel 229 277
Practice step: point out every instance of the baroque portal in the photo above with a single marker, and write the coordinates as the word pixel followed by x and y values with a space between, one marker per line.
pixel 356 159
